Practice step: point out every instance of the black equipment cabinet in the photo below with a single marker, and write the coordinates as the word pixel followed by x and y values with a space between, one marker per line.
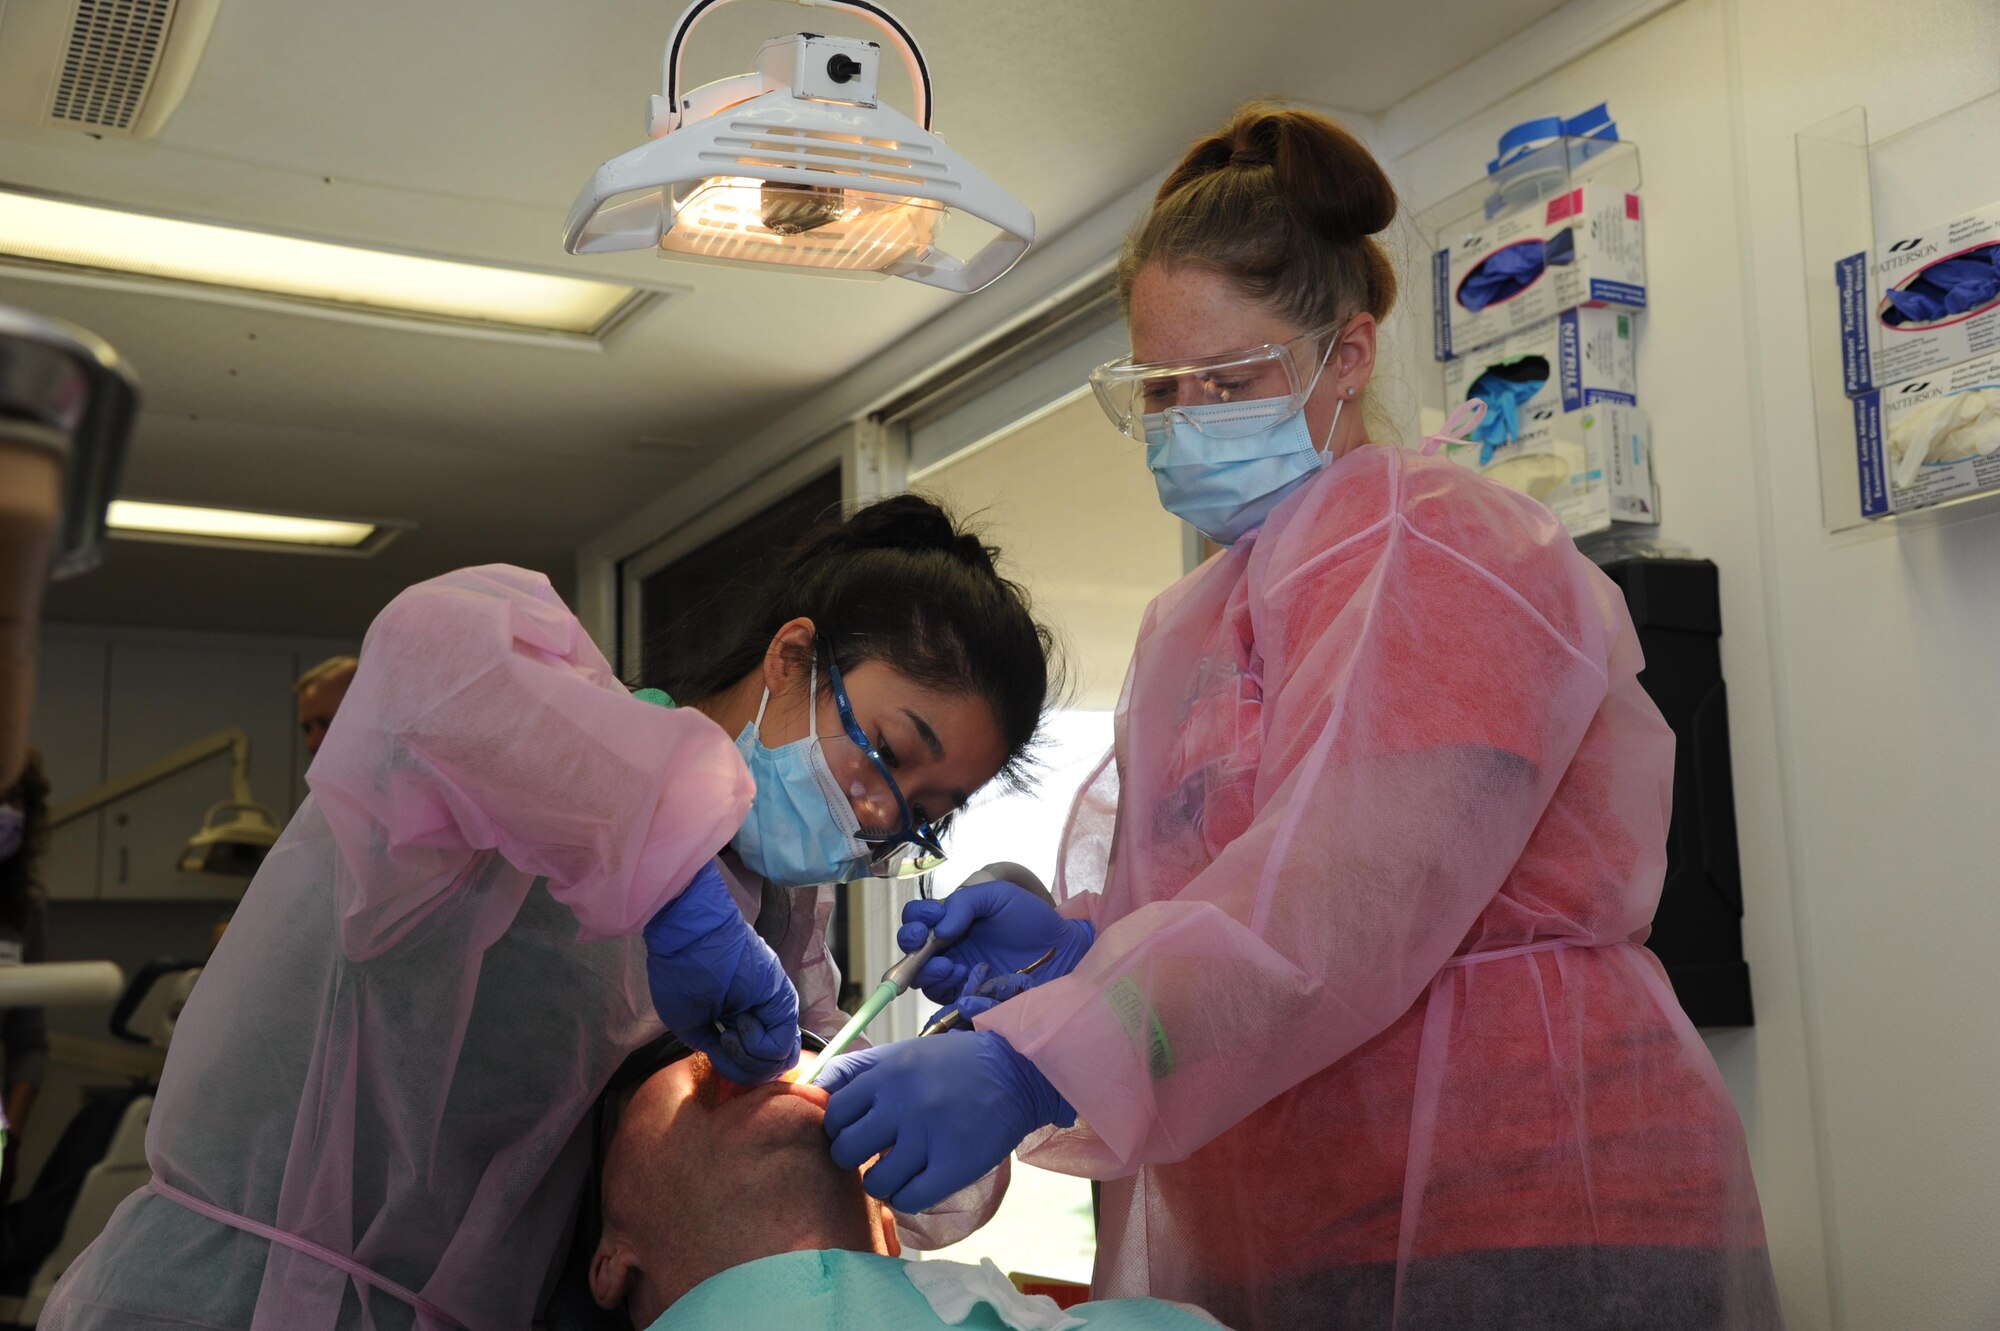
pixel 1698 933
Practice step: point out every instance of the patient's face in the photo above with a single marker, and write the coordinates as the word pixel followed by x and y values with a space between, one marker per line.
pixel 703 1175
pixel 688 1116
pixel 691 1146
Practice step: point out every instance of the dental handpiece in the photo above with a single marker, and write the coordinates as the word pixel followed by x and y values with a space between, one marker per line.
pixel 900 976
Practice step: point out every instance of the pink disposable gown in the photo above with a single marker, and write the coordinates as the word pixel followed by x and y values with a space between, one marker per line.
pixel 429 981
pixel 1361 1042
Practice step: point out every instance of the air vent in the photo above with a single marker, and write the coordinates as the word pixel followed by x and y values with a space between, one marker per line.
pixel 114 49
pixel 107 68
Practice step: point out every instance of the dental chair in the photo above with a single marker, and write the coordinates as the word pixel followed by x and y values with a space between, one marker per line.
pixel 99 1160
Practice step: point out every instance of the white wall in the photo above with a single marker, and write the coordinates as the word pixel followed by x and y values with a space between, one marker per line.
pixel 1885 646
pixel 1868 1087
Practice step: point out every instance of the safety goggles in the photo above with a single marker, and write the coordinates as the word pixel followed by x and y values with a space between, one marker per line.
pixel 1141 396
pixel 908 846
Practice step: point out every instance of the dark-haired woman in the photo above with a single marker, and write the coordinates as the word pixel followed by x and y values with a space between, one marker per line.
pixel 370 1116
pixel 1351 1026
pixel 24 1039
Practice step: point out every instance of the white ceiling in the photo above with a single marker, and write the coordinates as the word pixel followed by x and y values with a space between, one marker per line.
pixel 463 128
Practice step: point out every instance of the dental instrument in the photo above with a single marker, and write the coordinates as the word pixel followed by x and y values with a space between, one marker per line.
pixel 897 980
pixel 951 1018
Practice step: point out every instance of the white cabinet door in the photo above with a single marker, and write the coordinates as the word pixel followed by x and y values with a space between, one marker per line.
pixel 69 730
pixel 163 697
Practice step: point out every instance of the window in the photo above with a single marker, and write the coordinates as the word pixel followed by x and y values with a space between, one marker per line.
pixel 689 606
pixel 1091 568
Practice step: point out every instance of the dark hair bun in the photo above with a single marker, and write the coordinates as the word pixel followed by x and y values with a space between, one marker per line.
pixel 897 581
pixel 905 522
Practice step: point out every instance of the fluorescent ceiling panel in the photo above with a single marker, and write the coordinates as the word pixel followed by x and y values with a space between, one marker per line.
pixel 78 235
pixel 135 517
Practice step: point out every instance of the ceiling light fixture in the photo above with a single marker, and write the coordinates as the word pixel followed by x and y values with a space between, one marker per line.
pixel 57 238
pixel 238 529
pixel 799 164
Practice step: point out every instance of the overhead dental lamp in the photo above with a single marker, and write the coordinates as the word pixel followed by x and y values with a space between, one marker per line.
pixel 234 835
pixel 799 163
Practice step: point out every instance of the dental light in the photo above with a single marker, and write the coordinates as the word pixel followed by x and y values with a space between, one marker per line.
pixel 235 834
pixel 798 163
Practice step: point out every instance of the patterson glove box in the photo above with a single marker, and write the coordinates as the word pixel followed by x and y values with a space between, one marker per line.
pixel 1698 932
pixel 1585 246
pixel 1924 304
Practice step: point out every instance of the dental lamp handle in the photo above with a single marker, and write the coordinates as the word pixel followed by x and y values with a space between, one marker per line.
pixel 874 15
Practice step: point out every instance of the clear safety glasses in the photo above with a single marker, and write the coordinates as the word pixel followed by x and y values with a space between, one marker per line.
pixel 1132 393
pixel 909 844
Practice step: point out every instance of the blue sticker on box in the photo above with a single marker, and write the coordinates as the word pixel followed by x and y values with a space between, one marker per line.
pixel 1617 293
pixel 1570 355
pixel 1857 367
pixel 1868 453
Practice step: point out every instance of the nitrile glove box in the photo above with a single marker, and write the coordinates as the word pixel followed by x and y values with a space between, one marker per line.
pixel 1594 245
pixel 1585 355
pixel 1950 266
pixel 1929 440
pixel 1593 468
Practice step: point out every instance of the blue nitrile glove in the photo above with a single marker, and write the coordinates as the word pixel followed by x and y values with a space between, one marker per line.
pixel 1917 305
pixel 1503 274
pixel 1003 924
pixel 942 1113
pixel 986 989
pixel 1950 286
pixel 1504 399
pixel 718 986
pixel 1967 281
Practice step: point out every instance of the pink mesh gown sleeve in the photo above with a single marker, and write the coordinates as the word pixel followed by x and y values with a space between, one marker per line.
pixel 484 718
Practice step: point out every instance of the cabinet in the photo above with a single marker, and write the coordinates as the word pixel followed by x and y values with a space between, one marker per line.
pixel 70 682
pixel 109 700
pixel 165 696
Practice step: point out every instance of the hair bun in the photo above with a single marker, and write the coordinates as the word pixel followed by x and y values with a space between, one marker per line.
pixel 1282 203
pixel 907 522
pixel 1331 178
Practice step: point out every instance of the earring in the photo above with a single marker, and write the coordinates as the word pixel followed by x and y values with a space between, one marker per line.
pixel 1350 392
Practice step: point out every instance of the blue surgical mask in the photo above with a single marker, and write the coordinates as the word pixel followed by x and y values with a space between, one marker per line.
pixel 1224 487
pixel 13 830
pixel 801 830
